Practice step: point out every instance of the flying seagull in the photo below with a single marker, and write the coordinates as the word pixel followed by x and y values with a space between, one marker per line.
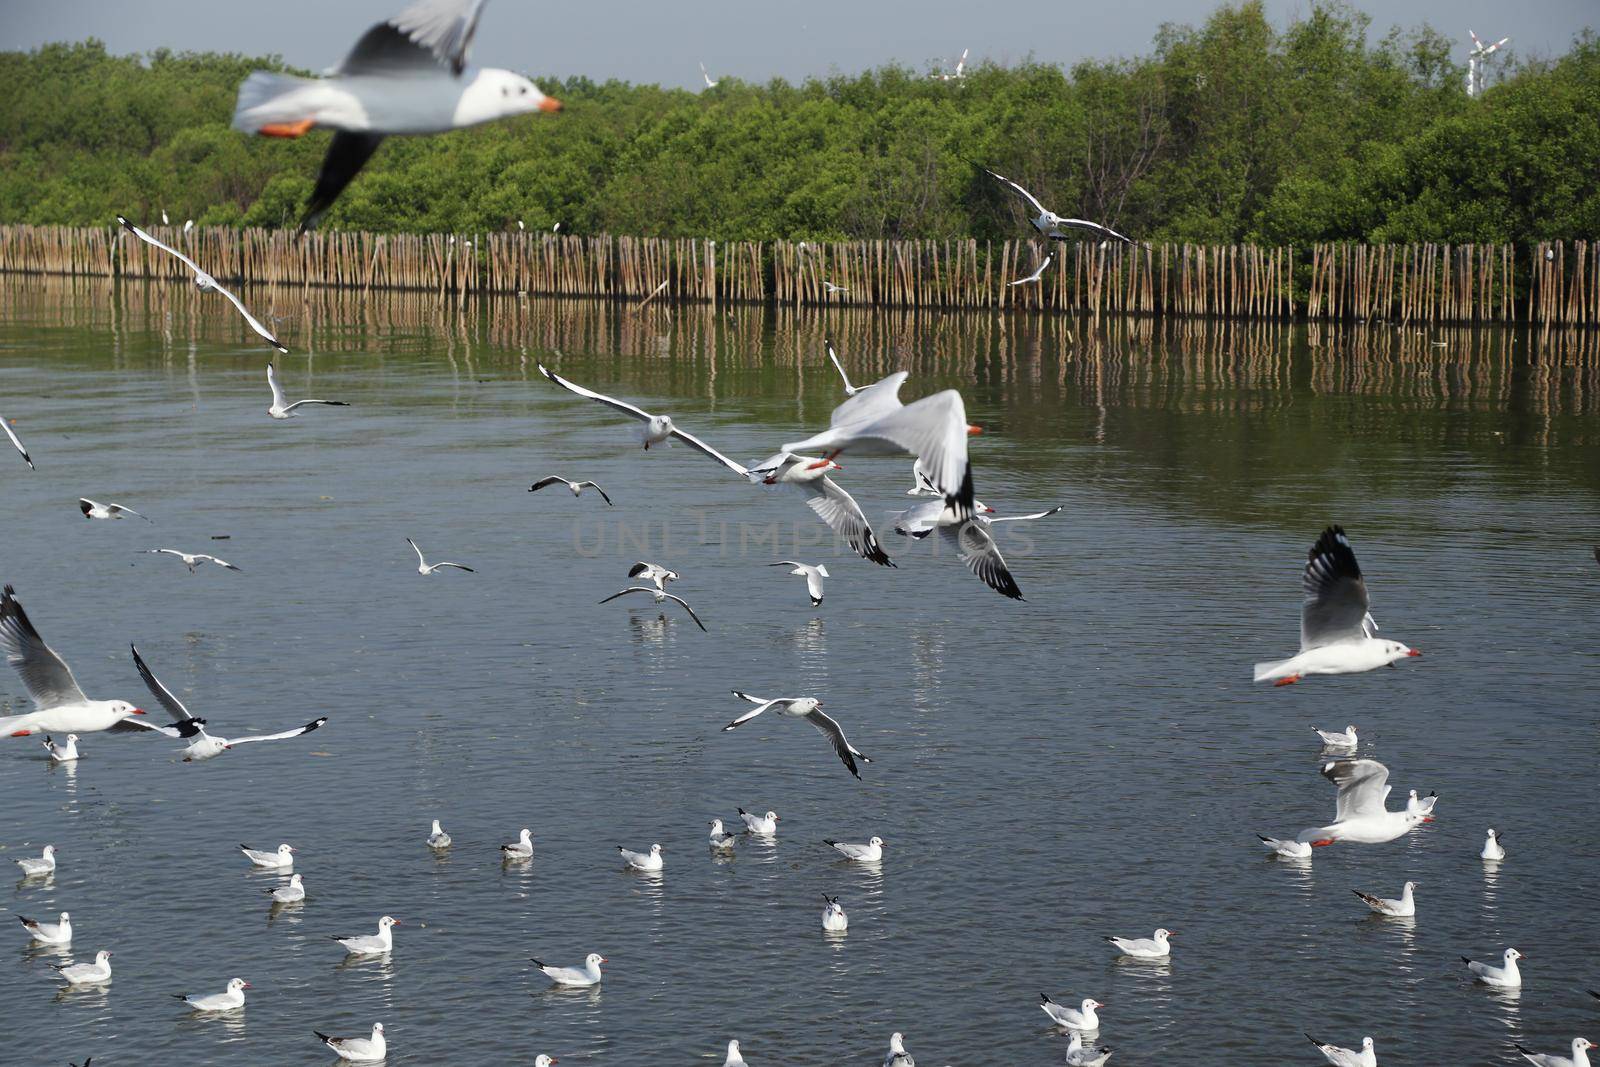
pixel 1057 227
pixel 202 746
pixel 827 498
pixel 1360 813
pixel 1038 272
pixel 653 572
pixel 60 707
pixel 812 575
pixel 15 440
pixel 659 595
pixel 809 709
pixel 281 408
pixel 93 510
pixel 969 536
pixel 709 83
pixel 576 487
pixel 190 559
pixel 425 568
pixel 205 282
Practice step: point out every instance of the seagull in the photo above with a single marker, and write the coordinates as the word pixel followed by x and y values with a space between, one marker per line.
pixel 88 973
pixel 425 568
pixel 1404 907
pixel 969 535
pixel 1081 1055
pixel 709 83
pixel 833 505
pixel 437 838
pixel 292 893
pixel 1505 976
pixel 734 1059
pixel 372 944
pixel 721 841
pixel 1492 848
pixel 643 861
pixel 190 560
pixel 56 933
pixel 1344 1057
pixel 898 1056
pixel 1360 814
pixel 850 390
pixel 1038 272
pixel 659 597
pixel 406 75
pixel 92 510
pixel 871 852
pixel 829 288
pixel 521 848
pixel 1295 850
pixel 1337 631
pixel 59 705
pixel 1579 1057
pixel 812 575
pixel 205 282
pixel 1056 227
pixel 1421 805
pixel 45 864
pixel 17 441
pixel 281 409
pixel 280 859
pixel 764 825
pixel 959 74
pixel 62 753
pixel 653 572
pixel 1345 740
pixel 228 1000
pixel 576 487
pixel 357 1049
pixel 657 428
pixel 1082 1017
pixel 185 727
pixel 188 225
pixel 587 975
pixel 1145 948
pixel 809 709
pixel 834 920
pixel 164 220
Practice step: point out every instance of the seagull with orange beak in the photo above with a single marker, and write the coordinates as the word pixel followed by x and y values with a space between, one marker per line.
pixel 59 705
pixel 1361 815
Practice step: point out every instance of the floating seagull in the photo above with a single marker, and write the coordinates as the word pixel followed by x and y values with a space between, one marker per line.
pixel 1344 1057
pixel 659 596
pixel 278 860
pixel 521 848
pixel 969 536
pixel 1337 631
pixel 1506 976
pixel 372 944
pixel 1404 907
pixel 576 487
pixel 721 841
pixel 898 1056
pixel 205 282
pixel 809 709
pixel 231 998
pixel 1345 740
pixel 1421 805
pixel 871 852
pixel 834 920
pixel 408 75
pixel 437 838
pixel 17 441
pixel 1081 1055
pixel 833 505
pixel 1038 272
pixel 1579 1057
pixel 829 288
pixel 709 83
pixel 1360 815
pixel 56 933
pixel 292 893
pixel 425 568
pixel 1057 227
pixel 1145 948
pixel 190 560
pixel 1082 1017
pixel 202 746
pixel 643 861
pixel 812 575
pixel 358 1049
pixel 657 428
pixel 1294 850
pixel 45 864
pixel 764 825
pixel 587 975
pixel 92 510
pixel 1492 848
pixel 734 1059
pixel 59 705
pixel 87 973
pixel 62 753
pixel 281 409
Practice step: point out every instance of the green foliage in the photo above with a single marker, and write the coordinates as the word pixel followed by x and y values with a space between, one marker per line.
pixel 1230 130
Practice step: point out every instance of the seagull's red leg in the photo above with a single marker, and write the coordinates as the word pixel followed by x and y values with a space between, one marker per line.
pixel 287 129
pixel 1290 680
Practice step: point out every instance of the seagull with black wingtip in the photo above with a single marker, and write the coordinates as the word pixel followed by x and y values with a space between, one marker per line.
pixel 809 709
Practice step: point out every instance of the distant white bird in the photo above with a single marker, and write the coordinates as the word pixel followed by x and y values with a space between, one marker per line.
pixel 185 727
pixel 834 920
pixel 1058 227
pixel 5 424
pixel 720 840
pixel 1344 740
pixel 958 74
pixel 809 709
pixel 1344 1057
pixel 1083 1017
pixel 898 1056
pixel 521 848
pixel 643 861
pixel 56 933
pixel 59 705
pixel 1421 805
pixel 281 408
pixel 1038 272
pixel 734 1059
pixel 1360 814
pixel 871 852
pixel 87 973
pixel 709 83
pixel 520 227
pixel 762 825
pixel 1579 1057
pixel 44 864
pixel 1506 976
pixel 190 559
pixel 1337 631
pixel 358 1049
pixel 659 596
pixel 829 288
pixel 437 838
pixel 831 502
pixel 1147 948
pixel 372 944
pixel 188 226
pixel 1081 1055
pixel 587 975
pixel 576 487
pixel 1295 850
pixel 278 859
pixel 657 428
pixel 1492 848
pixel 92 510
pixel 62 753
pixel 812 574
pixel 205 282
pixel 164 220
pixel 228 1000
pixel 1404 906
pixel 850 390
pixel 425 568
pixel 292 893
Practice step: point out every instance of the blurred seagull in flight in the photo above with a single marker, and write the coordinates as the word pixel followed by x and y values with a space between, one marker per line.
pixel 1058 227
pixel 5 424
pixel 577 488
pixel 425 568
pixel 809 709
pixel 202 746
pixel 94 510
pixel 190 559
pixel 1038 272
pixel 281 408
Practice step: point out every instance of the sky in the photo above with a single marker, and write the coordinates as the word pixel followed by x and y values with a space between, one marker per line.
pixel 652 41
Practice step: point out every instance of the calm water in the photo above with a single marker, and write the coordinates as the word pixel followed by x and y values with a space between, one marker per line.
pixel 1092 761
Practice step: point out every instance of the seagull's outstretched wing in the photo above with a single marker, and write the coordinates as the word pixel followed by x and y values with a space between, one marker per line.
pixel 695 442
pixel 219 562
pixel 17 441
pixel 1025 518
pixel 761 703
pixel 982 557
pixel 1335 606
pixel 551 480
pixel 46 675
pixel 596 487
pixel 1363 784
pixel 168 249
pixel 296 732
pixel 844 516
pixel 424 35
pixel 1014 187
pixel 848 753
pixel 687 608
pixel 163 695
pixel 659 595
pixel 251 319
pixel 1105 233
pixel 347 154
pixel 849 390
pixel 278 399
pixel 609 401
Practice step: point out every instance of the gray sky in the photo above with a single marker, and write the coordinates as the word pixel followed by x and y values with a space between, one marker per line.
pixel 655 41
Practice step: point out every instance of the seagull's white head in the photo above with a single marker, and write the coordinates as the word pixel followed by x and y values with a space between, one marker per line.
pixel 496 94
pixel 876 842
pixel 1394 651
pixel 1582 1044
pixel 377 1028
pixel 655 850
pixel 1090 1004
pixel 65 918
pixel 772 816
pixel 806 705
pixel 102 957
pixel 388 921
pixel 594 959
pixel 1163 934
pixel 285 851
pixel 897 1042
pixel 121 709
pixel 544 1061
pixel 296 881
pixel 72 739
pixel 49 850
pixel 236 985
pixel 439 830
pixel 204 281
pixel 1366 1044
pixel 1512 955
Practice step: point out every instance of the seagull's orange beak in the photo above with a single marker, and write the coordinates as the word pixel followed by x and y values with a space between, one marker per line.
pixel 549 103
pixel 818 465
pixel 973 431
pixel 1427 818
pixel 1413 652
pixel 137 711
